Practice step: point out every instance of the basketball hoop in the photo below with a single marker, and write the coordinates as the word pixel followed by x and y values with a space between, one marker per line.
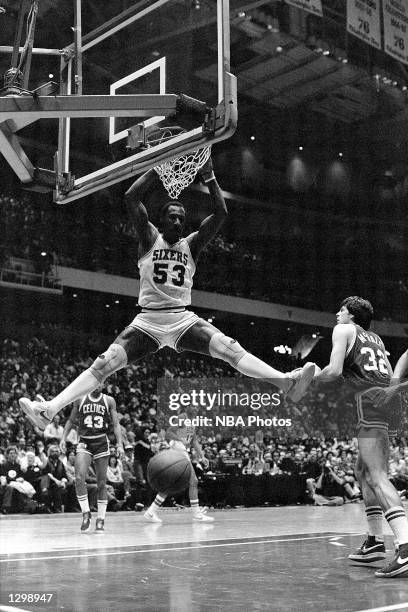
pixel 177 174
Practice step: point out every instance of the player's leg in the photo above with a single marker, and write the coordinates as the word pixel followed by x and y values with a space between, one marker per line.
pixel 151 513
pixel 374 450
pixel 83 460
pixel 204 338
pixel 101 466
pixel 373 548
pixel 199 514
pixel 131 345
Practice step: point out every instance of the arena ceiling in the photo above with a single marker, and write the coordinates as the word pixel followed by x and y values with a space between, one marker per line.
pixel 290 66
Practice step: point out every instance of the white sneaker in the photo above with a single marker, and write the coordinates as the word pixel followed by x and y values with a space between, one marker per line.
pixel 36 412
pixel 201 516
pixel 151 516
pixel 302 377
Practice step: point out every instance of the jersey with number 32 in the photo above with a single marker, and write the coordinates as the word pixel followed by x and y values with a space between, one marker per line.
pixel 93 416
pixel 365 364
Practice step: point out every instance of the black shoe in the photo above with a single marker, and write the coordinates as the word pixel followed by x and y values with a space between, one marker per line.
pixel 398 565
pixel 86 522
pixel 370 552
pixel 100 526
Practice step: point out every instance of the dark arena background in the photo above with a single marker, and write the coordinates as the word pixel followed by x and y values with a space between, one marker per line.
pixel 315 179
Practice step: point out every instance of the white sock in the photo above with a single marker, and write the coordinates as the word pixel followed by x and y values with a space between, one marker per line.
pixel 158 500
pixel 374 516
pixel 102 505
pixel 397 520
pixel 83 503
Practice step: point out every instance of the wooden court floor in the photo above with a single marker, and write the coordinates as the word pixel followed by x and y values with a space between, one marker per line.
pixel 279 559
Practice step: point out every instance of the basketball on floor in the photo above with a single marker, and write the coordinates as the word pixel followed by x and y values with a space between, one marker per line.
pixel 169 471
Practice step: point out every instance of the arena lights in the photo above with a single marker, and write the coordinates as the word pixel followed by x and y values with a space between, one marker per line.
pixel 283 349
pixel 387 81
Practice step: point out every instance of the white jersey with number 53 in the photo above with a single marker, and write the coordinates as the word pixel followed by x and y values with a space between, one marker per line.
pixel 365 363
pixel 166 275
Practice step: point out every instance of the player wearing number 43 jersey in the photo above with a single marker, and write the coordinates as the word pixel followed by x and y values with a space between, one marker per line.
pixel 167 265
pixel 94 412
pixel 359 355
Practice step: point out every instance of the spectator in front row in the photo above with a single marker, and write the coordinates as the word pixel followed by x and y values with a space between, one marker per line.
pixel 329 487
pixel 32 472
pixel 71 501
pixel 142 454
pixel 54 480
pixel 14 490
pixel 114 477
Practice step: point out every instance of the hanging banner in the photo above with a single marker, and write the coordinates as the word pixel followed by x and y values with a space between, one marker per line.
pixel 311 6
pixel 363 20
pixel 395 13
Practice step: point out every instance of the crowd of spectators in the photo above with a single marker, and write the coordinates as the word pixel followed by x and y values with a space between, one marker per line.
pixel 310 461
pixel 257 268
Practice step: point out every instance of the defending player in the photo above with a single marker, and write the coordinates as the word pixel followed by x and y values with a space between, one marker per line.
pixel 361 357
pixel 183 437
pixel 93 413
pixel 167 264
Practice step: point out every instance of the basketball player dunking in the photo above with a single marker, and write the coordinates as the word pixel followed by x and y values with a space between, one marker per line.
pixel 93 413
pixel 359 355
pixel 167 263
pixel 183 438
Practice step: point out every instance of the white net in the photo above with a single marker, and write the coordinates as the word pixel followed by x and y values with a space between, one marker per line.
pixel 178 173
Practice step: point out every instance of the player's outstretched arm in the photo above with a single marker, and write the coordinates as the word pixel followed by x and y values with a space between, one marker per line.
pixel 68 426
pixel 211 225
pixel 342 335
pixel 115 424
pixel 146 231
pixel 401 369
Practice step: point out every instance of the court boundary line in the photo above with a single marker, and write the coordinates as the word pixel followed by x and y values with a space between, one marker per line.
pixel 12 609
pixel 399 606
pixel 254 540
pixel 163 549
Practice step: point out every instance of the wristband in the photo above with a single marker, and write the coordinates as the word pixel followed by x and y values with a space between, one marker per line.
pixel 211 178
